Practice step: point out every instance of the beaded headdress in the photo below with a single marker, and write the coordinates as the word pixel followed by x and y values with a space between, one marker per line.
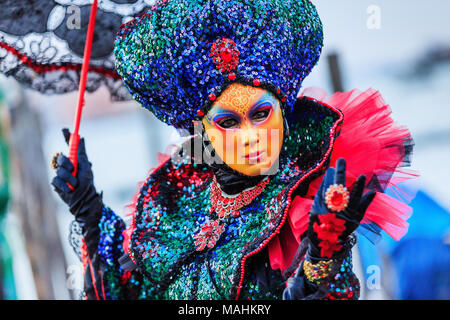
pixel 179 56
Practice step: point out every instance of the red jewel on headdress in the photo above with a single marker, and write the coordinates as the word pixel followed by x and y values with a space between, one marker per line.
pixel 212 96
pixel 232 76
pixel 225 54
pixel 256 82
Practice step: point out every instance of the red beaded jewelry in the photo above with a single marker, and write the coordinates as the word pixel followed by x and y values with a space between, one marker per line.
pixel 337 197
pixel 209 235
pixel 224 206
pixel 212 96
pixel 225 54
pixel 210 231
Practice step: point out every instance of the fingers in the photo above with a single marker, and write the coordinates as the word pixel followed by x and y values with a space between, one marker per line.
pixel 83 162
pixel 366 201
pixel 340 172
pixel 328 180
pixel 82 149
pixel 66 176
pixel 357 191
pixel 81 145
pixel 319 199
pixel 60 185
pixel 65 163
pixel 66 134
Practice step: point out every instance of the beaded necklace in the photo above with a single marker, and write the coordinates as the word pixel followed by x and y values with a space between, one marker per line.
pixel 225 206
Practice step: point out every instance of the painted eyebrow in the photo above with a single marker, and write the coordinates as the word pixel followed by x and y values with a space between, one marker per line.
pixel 220 115
pixel 266 102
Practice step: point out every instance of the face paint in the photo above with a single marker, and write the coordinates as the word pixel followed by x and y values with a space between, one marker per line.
pixel 245 127
pixel 239 98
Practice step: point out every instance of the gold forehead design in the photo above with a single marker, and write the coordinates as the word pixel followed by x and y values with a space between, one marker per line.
pixel 239 97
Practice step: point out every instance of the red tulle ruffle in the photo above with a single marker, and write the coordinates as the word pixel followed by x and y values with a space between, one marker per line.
pixel 372 144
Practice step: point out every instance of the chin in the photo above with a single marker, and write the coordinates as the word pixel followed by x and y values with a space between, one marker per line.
pixel 256 169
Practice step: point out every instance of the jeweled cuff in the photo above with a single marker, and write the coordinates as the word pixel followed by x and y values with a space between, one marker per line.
pixel 318 271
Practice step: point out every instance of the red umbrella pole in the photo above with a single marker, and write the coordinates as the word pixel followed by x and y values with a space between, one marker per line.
pixel 75 137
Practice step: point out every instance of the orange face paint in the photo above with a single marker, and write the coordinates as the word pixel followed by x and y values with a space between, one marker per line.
pixel 245 127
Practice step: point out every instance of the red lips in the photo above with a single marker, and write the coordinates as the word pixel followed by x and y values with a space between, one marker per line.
pixel 254 156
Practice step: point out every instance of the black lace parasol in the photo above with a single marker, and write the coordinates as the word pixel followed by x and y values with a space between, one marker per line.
pixel 42 43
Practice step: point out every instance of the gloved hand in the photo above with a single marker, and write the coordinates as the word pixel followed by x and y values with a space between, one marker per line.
pixel 333 219
pixel 84 202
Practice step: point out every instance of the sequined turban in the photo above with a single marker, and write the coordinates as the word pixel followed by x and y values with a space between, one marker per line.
pixel 178 57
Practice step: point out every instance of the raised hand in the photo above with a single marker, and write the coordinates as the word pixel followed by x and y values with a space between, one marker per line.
pixel 336 212
pixel 83 196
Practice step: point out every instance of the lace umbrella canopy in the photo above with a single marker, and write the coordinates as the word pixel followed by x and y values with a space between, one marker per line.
pixel 42 43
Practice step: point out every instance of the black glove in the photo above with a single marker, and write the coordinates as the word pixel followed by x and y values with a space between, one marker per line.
pixel 84 202
pixel 329 229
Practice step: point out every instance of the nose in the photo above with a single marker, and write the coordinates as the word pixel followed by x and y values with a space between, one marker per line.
pixel 250 136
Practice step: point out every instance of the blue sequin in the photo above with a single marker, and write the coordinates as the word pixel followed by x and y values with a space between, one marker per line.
pixel 164 57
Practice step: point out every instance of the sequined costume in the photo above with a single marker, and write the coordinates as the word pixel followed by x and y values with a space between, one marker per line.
pixel 258 251
pixel 176 60
pixel 175 201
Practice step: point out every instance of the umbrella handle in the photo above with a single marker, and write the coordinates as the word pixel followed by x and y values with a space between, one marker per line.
pixel 75 137
pixel 73 153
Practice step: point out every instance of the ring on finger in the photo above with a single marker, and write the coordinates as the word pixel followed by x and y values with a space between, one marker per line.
pixel 53 162
pixel 337 197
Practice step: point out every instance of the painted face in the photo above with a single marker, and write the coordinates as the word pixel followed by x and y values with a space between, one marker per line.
pixel 245 127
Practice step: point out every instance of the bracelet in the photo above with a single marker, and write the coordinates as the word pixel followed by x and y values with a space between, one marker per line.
pixel 316 272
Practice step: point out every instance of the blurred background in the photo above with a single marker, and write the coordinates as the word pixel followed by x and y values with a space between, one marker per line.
pixel 401 48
